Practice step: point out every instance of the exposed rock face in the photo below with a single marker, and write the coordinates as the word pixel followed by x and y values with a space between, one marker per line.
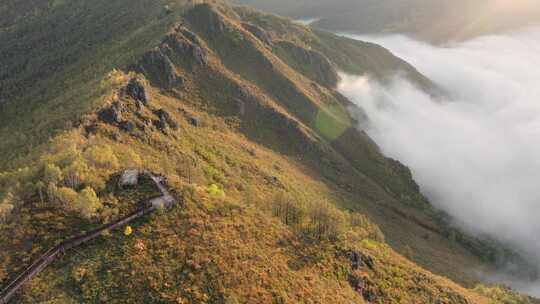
pixel 110 115
pixel 113 115
pixel 194 121
pixel 211 18
pixel 404 171
pixel 358 278
pixel 181 47
pixel 359 260
pixel 157 65
pixel 127 126
pixel 240 107
pixel 129 178
pixel 165 120
pixel 317 66
pixel 363 286
pixel 136 90
pixel 160 125
pixel 258 32
pixel 199 55
pixel 90 129
pixel 186 44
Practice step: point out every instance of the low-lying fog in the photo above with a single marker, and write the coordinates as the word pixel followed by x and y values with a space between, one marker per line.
pixel 476 155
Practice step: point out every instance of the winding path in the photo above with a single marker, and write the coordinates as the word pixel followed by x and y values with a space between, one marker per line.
pixel 166 200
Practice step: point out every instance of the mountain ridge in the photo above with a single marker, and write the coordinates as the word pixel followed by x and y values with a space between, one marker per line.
pixel 240 130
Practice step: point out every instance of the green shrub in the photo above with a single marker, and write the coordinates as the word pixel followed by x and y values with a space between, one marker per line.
pixel 215 190
pixel 502 295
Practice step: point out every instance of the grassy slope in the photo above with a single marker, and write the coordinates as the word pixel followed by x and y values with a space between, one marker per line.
pixel 53 63
pixel 291 138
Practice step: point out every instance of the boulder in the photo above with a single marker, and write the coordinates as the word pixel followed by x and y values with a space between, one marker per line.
pixel 194 121
pixel 90 129
pixel 165 119
pixel 127 126
pixel 160 125
pixel 110 115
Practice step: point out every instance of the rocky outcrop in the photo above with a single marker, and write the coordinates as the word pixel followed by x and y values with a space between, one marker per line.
pixel 164 120
pixel 259 33
pixel 364 287
pixel 359 279
pixel 113 115
pixel 180 48
pixel 187 45
pixel 311 63
pixel 209 17
pixel 136 90
pixel 359 260
pixel 194 121
pixel 110 115
pixel 127 126
pixel 157 66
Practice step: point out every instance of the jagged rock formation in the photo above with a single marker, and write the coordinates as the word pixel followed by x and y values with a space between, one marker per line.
pixel 110 115
pixel 162 65
pixel 315 64
pixel 165 120
pixel 135 89
pixel 258 32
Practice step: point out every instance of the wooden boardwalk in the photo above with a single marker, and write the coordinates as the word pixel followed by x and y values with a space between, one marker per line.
pixel 166 200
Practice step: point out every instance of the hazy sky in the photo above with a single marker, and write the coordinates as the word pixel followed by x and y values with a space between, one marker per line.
pixel 477 154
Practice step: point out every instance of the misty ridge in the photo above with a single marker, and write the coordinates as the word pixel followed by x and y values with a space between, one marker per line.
pixel 475 154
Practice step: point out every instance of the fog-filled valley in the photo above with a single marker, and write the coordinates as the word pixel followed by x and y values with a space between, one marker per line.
pixel 475 153
pixel 436 21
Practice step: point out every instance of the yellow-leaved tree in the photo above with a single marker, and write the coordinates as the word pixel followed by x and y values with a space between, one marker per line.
pixel 88 203
pixel 6 206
